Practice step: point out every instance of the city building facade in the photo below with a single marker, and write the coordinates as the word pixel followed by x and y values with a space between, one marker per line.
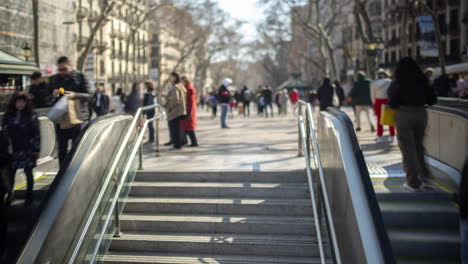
pixel 119 53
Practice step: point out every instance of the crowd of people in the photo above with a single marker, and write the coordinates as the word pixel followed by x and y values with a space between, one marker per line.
pixel 231 100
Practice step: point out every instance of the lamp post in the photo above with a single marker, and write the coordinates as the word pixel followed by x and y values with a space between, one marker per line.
pixel 373 49
pixel 26 51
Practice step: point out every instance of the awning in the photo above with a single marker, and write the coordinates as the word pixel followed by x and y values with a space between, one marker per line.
pixel 10 64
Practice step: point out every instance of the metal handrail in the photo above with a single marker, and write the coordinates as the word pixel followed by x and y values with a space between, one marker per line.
pixel 136 119
pixel 306 151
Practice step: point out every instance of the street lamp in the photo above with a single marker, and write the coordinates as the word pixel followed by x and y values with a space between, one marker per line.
pixel 26 50
pixel 374 48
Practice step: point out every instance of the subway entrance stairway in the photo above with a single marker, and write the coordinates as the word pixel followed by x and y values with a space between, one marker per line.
pixel 217 217
pixel 243 196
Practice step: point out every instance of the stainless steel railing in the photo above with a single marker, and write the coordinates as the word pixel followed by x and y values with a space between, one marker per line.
pixel 308 147
pixel 137 129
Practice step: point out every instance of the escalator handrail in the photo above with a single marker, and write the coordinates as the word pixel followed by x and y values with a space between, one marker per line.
pixel 39 233
pixel 123 179
pixel 369 193
pixel 318 165
pixel 136 120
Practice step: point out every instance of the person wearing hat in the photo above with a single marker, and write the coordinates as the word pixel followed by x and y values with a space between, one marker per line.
pixel 379 97
pixel 224 98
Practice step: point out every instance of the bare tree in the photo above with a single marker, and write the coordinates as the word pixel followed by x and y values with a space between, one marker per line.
pixel 106 8
pixel 35 10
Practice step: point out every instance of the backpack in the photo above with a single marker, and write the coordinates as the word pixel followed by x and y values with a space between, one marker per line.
pixel 247 95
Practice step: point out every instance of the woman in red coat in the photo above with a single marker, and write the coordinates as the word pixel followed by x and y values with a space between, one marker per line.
pixel 189 124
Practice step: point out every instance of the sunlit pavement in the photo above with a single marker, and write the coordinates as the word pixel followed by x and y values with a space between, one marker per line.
pixel 384 159
pixel 250 144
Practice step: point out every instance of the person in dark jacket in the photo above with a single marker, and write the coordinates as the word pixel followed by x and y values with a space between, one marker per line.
pixel 340 93
pixel 442 85
pixel 361 98
pixel 246 97
pixel 22 127
pixel 325 94
pixel 409 93
pixel 463 203
pixel 100 103
pixel 148 99
pixel 76 87
pixel 267 94
pixel 40 90
pixel 224 98
pixel 133 100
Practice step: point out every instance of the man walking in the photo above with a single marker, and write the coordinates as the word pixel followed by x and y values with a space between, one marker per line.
pixel 40 90
pixel 246 96
pixel 224 98
pixel 361 98
pixel 100 103
pixel 268 97
pixel 76 88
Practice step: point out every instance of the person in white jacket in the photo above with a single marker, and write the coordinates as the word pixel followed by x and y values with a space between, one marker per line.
pixel 379 97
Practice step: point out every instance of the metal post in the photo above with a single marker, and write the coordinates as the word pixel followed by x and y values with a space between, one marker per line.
pixel 307 135
pixel 300 152
pixel 157 138
pixel 117 232
pixel 140 151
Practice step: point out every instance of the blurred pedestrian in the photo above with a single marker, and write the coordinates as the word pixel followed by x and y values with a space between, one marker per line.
pixel 224 98
pixel 176 109
pixel 282 102
pixel 442 85
pixel 214 104
pixel 189 124
pixel 460 85
pixel 148 99
pixel 267 94
pixel 340 93
pixel 100 103
pixel 294 97
pixel 325 94
pixel 379 89
pixel 22 127
pixel 246 97
pixel 134 99
pixel 40 90
pixel 76 88
pixel 361 97
pixel 409 93
pixel 117 102
pixel 260 104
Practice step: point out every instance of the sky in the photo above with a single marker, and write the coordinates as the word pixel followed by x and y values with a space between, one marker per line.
pixel 245 10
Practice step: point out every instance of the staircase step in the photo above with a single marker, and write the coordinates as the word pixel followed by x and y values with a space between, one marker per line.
pixel 403 195
pixel 424 243
pixel 263 245
pixel 289 176
pixel 231 206
pixel 178 258
pixel 420 215
pixel 229 224
pixel 220 189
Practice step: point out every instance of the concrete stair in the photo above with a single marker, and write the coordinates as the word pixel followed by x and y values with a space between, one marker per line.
pixel 234 217
pixel 422 226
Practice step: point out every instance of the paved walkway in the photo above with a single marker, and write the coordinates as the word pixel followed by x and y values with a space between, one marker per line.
pixel 261 144
pixel 251 144
pixel 383 160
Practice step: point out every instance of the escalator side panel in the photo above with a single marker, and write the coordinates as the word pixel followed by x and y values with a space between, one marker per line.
pixel 357 220
pixel 62 218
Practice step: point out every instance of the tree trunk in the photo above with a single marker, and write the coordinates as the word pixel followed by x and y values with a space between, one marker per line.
pixel 414 41
pixel 102 18
pixel 438 37
pixel 127 57
pixel 35 8
pixel 404 29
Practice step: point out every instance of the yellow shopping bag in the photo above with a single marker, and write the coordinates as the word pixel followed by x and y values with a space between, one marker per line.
pixel 387 116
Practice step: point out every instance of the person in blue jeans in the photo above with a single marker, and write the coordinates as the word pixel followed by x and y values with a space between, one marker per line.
pixel 224 98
